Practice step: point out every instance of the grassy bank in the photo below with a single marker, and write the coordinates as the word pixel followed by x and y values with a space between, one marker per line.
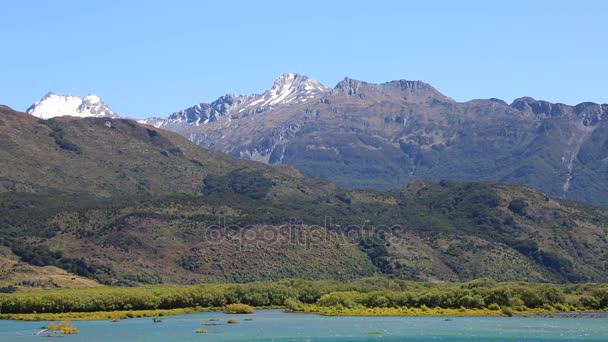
pixel 438 311
pixel 309 309
pixel 369 297
pixel 100 315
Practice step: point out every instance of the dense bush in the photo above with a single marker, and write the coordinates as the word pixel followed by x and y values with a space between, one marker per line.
pixel 238 309
pixel 42 256
pixel 8 289
pixel 518 206
pixel 366 293
pixel 252 184
pixel 375 248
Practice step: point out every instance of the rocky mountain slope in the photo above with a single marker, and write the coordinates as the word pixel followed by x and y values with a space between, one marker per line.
pixel 123 203
pixel 383 136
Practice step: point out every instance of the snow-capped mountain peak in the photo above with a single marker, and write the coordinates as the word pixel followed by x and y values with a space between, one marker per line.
pixel 291 87
pixel 53 105
pixel 91 99
pixel 288 89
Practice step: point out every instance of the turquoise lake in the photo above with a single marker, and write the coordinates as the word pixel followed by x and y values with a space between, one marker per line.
pixel 274 325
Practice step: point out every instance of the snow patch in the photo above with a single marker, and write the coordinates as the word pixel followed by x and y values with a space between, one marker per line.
pixel 54 105
pixel 92 99
pixel 290 88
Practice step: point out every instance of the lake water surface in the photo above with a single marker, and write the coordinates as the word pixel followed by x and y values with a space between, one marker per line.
pixel 274 325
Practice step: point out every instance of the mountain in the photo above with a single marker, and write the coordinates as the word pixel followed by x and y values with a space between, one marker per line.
pixel 53 105
pixel 123 203
pixel 384 136
pixel 108 157
pixel 289 89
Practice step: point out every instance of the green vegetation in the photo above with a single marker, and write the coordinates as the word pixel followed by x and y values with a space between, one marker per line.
pixel 459 299
pixel 372 296
pixel 42 256
pixel 58 136
pixel 64 327
pixel 8 289
pixel 238 309
pixel 251 184
pixel 201 331
pixel 114 316
pixel 518 206
pixel 375 248
pixel 460 229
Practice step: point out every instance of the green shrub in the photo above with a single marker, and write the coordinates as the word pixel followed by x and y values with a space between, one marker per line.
pixel 344 299
pixel 507 311
pixel 8 289
pixel 472 302
pixel 252 184
pixel 602 297
pixel 293 304
pixel 481 282
pixel 558 263
pixel 238 309
pixel 494 307
pixel 516 302
pixel 548 307
pixel 561 307
pixel 588 301
pixel 552 294
pixel 518 206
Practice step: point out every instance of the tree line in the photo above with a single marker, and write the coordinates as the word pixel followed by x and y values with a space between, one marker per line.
pixel 366 293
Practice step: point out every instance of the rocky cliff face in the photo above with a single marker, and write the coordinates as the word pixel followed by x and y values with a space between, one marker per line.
pixel 411 90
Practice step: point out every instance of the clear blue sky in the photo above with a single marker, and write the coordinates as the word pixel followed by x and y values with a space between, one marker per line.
pixel 146 58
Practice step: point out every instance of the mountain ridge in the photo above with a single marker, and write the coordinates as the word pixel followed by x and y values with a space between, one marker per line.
pixel 385 135
pixel 382 136
pixel 288 88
